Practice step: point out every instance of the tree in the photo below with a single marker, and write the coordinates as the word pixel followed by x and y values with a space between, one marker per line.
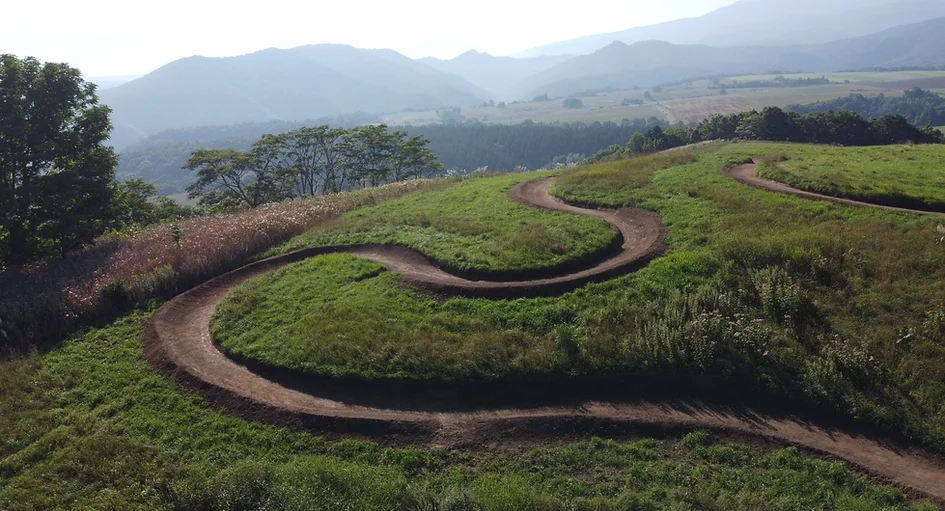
pixel 573 103
pixel 56 176
pixel 137 204
pixel 222 174
pixel 412 157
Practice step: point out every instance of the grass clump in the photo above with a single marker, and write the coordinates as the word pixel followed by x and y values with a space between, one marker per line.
pixel 897 175
pixel 610 183
pixel 471 227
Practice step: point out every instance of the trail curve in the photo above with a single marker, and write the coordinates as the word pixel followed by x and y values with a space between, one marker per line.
pixel 747 173
pixel 178 343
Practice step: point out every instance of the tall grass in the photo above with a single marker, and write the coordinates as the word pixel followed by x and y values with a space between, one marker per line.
pixel 41 302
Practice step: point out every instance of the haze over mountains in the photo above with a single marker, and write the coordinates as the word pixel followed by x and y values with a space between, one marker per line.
pixel 311 82
pixel 500 75
pixel 646 64
pixel 764 22
pixel 299 83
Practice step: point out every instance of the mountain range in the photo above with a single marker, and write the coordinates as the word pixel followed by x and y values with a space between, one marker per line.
pixel 298 83
pixel 766 23
pixel 316 81
pixel 646 64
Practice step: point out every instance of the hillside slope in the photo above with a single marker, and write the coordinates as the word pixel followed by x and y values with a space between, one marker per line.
pixel 649 63
pixel 764 22
pixel 300 83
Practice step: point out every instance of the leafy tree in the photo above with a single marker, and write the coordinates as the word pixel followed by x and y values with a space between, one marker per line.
pixel 56 175
pixel 308 161
pixel 240 176
pixel 412 157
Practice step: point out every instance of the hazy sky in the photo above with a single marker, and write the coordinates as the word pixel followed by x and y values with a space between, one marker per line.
pixel 119 37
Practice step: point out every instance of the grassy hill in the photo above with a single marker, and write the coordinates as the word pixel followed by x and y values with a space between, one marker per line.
pixel 300 83
pixel 804 302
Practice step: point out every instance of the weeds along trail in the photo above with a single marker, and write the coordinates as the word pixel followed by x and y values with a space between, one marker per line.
pixel 178 343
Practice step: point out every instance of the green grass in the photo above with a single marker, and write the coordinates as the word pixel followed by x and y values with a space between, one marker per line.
pixel 840 308
pixel 91 426
pixel 905 176
pixel 471 226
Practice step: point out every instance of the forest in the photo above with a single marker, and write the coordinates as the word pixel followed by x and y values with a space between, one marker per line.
pixel 773 124
pixel 918 106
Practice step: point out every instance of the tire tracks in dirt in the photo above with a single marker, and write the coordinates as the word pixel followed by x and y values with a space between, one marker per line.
pixel 178 343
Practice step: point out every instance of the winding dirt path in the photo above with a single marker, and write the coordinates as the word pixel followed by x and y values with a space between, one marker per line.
pixel 178 343
pixel 748 174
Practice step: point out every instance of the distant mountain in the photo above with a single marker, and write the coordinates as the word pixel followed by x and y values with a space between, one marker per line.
pixel 107 82
pixel 499 75
pixel 765 22
pixel 645 64
pixel 916 45
pixel 299 83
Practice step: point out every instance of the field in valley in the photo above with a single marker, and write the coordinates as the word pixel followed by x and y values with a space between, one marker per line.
pixel 694 101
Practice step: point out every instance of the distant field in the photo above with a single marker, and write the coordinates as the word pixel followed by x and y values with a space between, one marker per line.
pixel 694 101
pixel 888 76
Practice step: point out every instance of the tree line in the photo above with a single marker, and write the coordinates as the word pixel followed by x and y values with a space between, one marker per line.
pixel 918 106
pixel 776 125
pixel 530 145
pixel 462 146
pixel 779 81
pixel 305 162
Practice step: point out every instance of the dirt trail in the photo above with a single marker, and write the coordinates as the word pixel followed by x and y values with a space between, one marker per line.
pixel 748 174
pixel 178 343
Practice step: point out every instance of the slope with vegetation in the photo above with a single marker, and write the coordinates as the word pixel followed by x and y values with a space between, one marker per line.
pixel 819 304
pixel 91 424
